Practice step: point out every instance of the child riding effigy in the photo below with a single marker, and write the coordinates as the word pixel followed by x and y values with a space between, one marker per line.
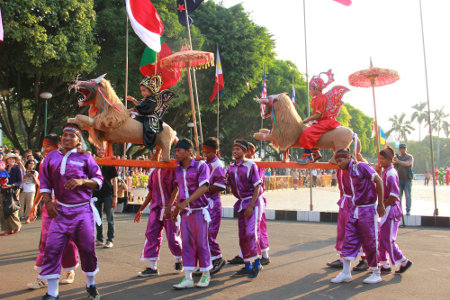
pixel 326 108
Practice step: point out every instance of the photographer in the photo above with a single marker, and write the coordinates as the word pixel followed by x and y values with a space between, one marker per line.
pixel 404 163
pixel 30 180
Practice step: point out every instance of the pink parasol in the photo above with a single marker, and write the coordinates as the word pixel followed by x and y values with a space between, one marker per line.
pixel 373 77
pixel 185 60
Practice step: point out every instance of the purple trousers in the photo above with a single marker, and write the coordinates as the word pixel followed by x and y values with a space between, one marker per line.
pixel 153 236
pixel 362 229
pixel 263 234
pixel 388 236
pixel 345 209
pixel 76 224
pixel 194 236
pixel 249 234
pixel 70 255
pixel 215 211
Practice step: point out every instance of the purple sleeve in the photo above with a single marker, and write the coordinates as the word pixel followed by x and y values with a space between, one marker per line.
pixel 392 186
pixel 218 178
pixel 94 172
pixel 367 171
pixel 46 184
pixel 254 175
pixel 149 182
pixel 203 174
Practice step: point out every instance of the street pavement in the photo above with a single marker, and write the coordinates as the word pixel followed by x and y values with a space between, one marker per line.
pixel 299 252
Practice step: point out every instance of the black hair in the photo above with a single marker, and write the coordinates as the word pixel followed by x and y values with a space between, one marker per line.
pixel 211 142
pixel 52 138
pixel 185 144
pixel 29 162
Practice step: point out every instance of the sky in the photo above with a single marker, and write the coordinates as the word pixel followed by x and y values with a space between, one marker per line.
pixel 344 38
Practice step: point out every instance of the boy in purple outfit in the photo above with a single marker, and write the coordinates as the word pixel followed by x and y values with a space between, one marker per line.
pixel 362 226
pixel 243 177
pixel 216 185
pixel 192 182
pixel 161 183
pixel 72 175
pixel 390 222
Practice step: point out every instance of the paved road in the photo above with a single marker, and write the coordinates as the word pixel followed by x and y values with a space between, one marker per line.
pixel 298 250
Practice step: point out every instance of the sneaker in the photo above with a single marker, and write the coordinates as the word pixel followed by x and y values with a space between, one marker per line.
pixel 178 267
pixel 99 244
pixel 342 278
pixel 385 270
pixel 265 261
pixel 335 264
pixel 93 293
pixel 108 245
pixel 148 272
pixel 361 267
pixel 373 278
pixel 48 297
pixel 184 284
pixel 38 284
pixel 204 281
pixel 404 268
pixel 68 277
pixel 237 260
pixel 217 265
pixel 255 271
pixel 306 159
pixel 242 272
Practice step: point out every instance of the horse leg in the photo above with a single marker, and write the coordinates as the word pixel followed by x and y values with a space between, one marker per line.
pixel 263 137
pixel 286 155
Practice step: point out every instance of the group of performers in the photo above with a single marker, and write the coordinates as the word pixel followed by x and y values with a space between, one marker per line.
pixel 185 201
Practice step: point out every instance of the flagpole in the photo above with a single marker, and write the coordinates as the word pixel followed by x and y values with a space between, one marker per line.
pixel 194 75
pixel 126 76
pixel 436 211
pixel 262 124
pixel 218 110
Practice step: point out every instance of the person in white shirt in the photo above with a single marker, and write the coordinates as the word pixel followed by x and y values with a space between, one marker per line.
pixel 30 180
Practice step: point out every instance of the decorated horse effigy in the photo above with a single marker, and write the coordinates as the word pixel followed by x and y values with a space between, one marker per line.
pixel 110 122
pixel 289 130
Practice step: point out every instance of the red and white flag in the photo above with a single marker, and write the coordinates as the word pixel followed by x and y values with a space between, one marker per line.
pixel 218 82
pixel 146 22
pixel 263 92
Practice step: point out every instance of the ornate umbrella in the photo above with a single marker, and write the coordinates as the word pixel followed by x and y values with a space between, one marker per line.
pixel 373 77
pixel 185 60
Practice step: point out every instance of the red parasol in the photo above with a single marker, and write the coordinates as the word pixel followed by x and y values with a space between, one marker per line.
pixel 373 77
pixel 185 60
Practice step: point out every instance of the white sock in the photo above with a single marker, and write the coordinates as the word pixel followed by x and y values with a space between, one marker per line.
pixel 346 267
pixel 240 253
pixel 179 259
pixel 265 253
pixel 404 261
pixel 385 264
pixel 90 280
pixel 206 273
pixel 153 264
pixel 53 287
pixel 188 274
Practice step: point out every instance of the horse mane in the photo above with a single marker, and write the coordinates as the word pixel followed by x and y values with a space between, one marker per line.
pixel 109 118
pixel 288 121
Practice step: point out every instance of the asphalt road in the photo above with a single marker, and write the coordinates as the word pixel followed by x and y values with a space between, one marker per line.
pixel 299 252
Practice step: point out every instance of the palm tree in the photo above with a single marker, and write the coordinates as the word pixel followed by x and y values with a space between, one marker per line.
pixel 400 126
pixel 420 114
pixel 439 123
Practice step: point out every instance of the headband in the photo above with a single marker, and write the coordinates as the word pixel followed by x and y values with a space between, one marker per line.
pixel 50 142
pixel 209 148
pixel 342 154
pixel 241 145
pixel 77 130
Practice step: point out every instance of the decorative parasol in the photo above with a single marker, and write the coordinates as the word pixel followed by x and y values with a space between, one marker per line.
pixel 185 60
pixel 373 77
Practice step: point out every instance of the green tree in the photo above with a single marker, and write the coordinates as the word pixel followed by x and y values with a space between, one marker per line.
pixel 46 44
pixel 438 124
pixel 400 126
pixel 420 115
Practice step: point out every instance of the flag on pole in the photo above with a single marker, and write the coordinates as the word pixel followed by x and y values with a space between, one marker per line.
pixel 263 91
pixel 344 2
pixel 1 27
pixel 382 137
pixel 218 82
pixel 293 91
pixel 146 22
pixel 147 65
pixel 181 9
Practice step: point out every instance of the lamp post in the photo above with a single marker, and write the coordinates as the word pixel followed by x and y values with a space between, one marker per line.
pixel 190 125
pixel 46 96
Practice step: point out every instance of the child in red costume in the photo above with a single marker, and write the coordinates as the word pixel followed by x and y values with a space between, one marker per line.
pixel 326 108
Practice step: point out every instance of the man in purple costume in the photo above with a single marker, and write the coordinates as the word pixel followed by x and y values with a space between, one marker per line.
pixel 161 183
pixel 216 185
pixel 192 179
pixel 243 177
pixel 72 175
pixel 362 226
pixel 390 222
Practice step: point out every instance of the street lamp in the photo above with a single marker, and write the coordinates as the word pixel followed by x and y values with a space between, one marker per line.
pixel 190 125
pixel 46 96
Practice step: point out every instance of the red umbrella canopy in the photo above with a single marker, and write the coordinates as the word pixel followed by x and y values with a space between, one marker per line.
pixel 188 58
pixel 373 77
